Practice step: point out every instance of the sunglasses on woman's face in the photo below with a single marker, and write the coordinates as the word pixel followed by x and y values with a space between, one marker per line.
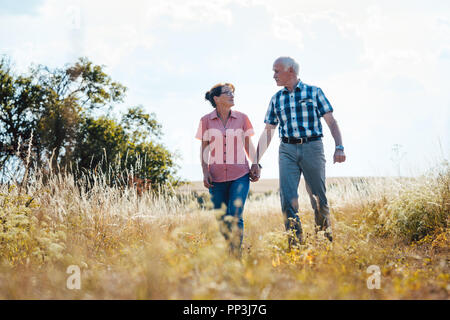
pixel 228 93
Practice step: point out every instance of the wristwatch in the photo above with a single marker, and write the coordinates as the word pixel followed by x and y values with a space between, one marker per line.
pixel 260 166
pixel 340 147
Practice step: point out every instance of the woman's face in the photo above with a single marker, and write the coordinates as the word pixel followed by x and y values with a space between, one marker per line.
pixel 226 98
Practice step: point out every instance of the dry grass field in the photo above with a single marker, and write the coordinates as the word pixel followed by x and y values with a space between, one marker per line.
pixel 166 244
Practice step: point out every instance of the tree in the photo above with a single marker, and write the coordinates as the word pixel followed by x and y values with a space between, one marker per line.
pixel 125 148
pixel 55 108
pixel 50 103
pixel 21 101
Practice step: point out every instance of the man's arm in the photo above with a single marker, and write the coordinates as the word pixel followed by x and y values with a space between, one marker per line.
pixel 264 141
pixel 339 155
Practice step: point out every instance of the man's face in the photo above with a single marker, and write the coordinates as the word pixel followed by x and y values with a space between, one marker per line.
pixel 282 76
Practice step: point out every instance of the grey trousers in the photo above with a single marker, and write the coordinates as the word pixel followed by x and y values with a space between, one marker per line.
pixel 309 159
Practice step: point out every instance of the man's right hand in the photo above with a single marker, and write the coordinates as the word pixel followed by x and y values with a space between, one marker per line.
pixel 207 180
pixel 255 172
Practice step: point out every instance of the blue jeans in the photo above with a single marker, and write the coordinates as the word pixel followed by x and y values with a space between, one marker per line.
pixel 231 195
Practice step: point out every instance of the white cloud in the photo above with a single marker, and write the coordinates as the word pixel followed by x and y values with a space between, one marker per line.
pixel 394 42
pixel 192 12
pixel 384 67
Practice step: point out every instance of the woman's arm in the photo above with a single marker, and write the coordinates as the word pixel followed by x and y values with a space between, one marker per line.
pixel 250 149
pixel 204 155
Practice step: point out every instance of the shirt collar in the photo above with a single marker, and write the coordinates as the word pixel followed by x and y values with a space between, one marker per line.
pixel 213 115
pixel 297 87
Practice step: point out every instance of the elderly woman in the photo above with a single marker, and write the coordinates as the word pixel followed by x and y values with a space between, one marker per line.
pixel 225 136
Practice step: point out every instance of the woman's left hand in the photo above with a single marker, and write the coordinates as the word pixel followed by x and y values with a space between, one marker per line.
pixel 207 180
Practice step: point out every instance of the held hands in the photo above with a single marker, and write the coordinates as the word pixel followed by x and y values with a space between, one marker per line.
pixel 255 172
pixel 339 156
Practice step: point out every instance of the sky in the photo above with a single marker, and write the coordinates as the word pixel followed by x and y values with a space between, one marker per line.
pixel 383 65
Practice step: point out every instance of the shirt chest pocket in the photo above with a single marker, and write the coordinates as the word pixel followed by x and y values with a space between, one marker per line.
pixel 305 106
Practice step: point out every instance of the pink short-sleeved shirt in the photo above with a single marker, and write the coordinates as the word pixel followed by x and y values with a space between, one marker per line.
pixel 227 158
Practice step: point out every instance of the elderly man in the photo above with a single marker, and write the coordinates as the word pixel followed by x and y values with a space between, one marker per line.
pixel 297 109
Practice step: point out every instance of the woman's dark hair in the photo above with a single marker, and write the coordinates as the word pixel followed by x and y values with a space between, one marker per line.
pixel 216 91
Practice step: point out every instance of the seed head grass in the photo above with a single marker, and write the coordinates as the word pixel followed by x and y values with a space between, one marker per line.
pixel 166 244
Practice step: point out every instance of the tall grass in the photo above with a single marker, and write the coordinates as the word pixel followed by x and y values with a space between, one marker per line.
pixel 415 209
pixel 165 244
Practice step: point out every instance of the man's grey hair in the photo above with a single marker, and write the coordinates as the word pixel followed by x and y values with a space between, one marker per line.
pixel 288 62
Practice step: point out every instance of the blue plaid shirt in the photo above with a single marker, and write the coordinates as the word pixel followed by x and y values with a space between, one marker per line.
pixel 299 112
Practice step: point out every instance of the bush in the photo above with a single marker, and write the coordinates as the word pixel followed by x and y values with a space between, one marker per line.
pixel 420 208
pixel 25 238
